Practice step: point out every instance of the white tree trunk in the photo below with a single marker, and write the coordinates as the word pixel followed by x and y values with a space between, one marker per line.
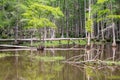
pixel 102 30
pixel 85 17
pixel 114 52
pixel 113 31
pixel 53 33
pixel 89 39
pixel 113 27
pixel 45 32
pixel 89 34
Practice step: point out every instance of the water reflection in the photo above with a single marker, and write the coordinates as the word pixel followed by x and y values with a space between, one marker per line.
pixel 100 62
pixel 23 67
pixel 114 52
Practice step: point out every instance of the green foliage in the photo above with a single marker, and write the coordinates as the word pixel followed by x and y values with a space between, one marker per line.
pixel 47 2
pixel 43 10
pixel 48 59
pixel 96 8
pixel 113 77
pixel 64 42
pixel 10 12
pixel 3 20
pixel 39 15
pixel 101 13
pixel 110 63
pixel 101 1
pixel 2 55
pixel 89 71
pixel 57 43
pixel 114 16
pixel 42 22
pixel 89 24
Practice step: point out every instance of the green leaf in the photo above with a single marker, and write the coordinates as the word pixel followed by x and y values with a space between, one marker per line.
pixel 39 15
pixel 89 24
pixel 114 16
pixel 101 1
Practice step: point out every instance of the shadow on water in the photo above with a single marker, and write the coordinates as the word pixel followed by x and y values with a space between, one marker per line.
pixel 100 62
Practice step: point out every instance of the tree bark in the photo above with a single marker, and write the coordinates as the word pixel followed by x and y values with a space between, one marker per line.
pixel 113 31
pixel 85 17
pixel 89 34
pixel 113 26
pixel 89 39
pixel 102 30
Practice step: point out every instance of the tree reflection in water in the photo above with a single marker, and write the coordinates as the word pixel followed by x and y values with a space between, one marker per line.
pixel 95 65
pixel 100 62
pixel 27 67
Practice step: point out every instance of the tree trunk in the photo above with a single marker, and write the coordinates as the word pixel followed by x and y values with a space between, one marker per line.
pixel 52 33
pixel 16 27
pixel 113 31
pixel 102 30
pixel 16 33
pixel 85 17
pixel 98 31
pixel 119 30
pixel 89 39
pixel 89 34
pixel 114 52
pixel 113 27
pixel 45 32
pixel 92 16
pixel 67 16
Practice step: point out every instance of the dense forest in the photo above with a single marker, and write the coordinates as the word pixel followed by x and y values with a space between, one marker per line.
pixel 97 19
pixel 59 39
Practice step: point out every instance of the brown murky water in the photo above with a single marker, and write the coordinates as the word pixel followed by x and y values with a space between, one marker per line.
pixel 101 62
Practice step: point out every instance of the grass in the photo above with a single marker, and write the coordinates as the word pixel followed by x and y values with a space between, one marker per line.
pixel 99 62
pixel 110 63
pixel 113 77
pixel 2 55
pixel 64 42
pixel 47 59
pixel 57 43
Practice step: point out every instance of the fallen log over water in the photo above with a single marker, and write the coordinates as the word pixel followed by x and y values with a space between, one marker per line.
pixel 35 39
pixel 35 49
pixel 12 46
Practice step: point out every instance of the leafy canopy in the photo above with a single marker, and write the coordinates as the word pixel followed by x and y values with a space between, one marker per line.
pixel 101 1
pixel 39 15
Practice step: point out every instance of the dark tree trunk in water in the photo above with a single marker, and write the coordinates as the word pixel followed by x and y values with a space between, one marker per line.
pixel 41 46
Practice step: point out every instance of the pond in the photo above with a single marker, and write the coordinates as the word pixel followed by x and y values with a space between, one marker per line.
pixel 101 62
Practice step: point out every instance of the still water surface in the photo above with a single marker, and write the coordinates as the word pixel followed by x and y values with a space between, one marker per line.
pixel 62 64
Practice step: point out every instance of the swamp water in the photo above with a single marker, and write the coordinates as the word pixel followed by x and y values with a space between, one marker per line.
pixel 101 62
